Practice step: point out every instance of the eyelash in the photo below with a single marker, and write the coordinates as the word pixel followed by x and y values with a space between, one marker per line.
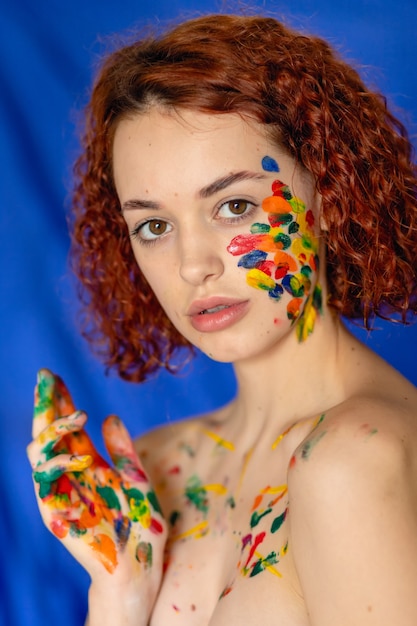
pixel 135 233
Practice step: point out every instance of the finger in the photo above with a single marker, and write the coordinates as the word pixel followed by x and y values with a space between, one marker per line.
pixel 79 443
pixel 44 406
pixel 45 445
pixel 122 451
pixel 49 472
pixel 64 402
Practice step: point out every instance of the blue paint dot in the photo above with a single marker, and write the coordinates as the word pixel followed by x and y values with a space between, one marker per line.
pixel 252 259
pixel 269 164
pixel 276 292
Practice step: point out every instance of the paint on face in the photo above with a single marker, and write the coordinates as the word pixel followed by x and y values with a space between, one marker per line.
pixel 281 256
pixel 269 164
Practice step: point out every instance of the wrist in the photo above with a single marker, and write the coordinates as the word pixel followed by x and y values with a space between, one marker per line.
pixel 117 606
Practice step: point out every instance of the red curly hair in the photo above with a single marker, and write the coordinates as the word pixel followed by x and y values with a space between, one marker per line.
pixel 315 105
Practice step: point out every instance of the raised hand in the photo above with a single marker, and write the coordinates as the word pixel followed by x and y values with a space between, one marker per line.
pixel 107 517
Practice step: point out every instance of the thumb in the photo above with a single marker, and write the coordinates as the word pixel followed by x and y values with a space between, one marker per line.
pixel 122 451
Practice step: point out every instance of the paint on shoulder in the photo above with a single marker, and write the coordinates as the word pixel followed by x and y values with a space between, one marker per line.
pixel 305 450
pixel 366 432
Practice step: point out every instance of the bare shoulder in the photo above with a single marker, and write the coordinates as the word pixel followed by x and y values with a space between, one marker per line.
pixel 353 511
pixel 378 418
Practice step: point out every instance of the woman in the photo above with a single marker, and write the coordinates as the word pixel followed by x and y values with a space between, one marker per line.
pixel 239 190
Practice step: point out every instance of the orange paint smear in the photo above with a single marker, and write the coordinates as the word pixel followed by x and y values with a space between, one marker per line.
pixel 286 260
pixel 276 204
pixel 59 528
pixel 105 549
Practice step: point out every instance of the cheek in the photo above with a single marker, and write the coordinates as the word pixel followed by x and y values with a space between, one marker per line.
pixel 280 255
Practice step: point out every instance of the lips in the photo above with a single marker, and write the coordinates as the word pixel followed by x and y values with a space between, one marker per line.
pixel 216 313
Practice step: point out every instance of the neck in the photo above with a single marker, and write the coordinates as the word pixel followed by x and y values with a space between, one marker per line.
pixel 294 380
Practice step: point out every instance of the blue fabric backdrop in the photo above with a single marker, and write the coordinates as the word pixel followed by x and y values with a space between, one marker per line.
pixel 48 51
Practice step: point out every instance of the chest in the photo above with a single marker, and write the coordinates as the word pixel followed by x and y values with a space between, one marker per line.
pixel 228 553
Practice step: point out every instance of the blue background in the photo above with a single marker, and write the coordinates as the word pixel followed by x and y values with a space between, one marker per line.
pixel 48 51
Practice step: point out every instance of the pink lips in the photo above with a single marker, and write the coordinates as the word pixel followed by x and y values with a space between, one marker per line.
pixel 216 313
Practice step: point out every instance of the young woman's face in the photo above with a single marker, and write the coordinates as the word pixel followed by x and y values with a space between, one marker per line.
pixel 223 225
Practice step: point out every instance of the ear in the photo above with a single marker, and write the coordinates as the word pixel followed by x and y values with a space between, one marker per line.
pixel 322 221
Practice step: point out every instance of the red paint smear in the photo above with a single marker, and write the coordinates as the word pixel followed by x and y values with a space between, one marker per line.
pixel 292 461
pixel 175 608
pixel 174 470
pixel 156 527
pixel 281 271
pixel 63 486
pixel 277 186
pixel 310 218
pixel 225 592
pixel 258 540
pixel 312 262
pixel 266 267
pixel 241 244
pixel 59 528
pixel 277 321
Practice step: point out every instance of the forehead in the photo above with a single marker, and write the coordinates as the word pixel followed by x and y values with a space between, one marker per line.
pixel 187 148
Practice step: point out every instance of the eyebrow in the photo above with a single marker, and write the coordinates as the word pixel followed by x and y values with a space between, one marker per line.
pixel 218 185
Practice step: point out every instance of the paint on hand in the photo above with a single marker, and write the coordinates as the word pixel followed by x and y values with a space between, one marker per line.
pixel 282 256
pixel 144 553
pixel 84 494
pixel 105 549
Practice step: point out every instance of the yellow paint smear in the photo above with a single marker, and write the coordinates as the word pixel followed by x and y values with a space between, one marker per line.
pixel 278 489
pixel 216 487
pixel 199 531
pixel 284 434
pixel 219 440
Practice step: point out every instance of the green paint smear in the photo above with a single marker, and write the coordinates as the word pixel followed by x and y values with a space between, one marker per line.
pixel 310 444
pixel 174 517
pixel 45 401
pixel 109 496
pixel 151 495
pixel 196 494
pixel 48 450
pixel 133 494
pixel 137 504
pixel 231 502
pixel 77 531
pixel 256 517
pixel 278 521
pixel 261 564
pixel 144 553
pixel 45 480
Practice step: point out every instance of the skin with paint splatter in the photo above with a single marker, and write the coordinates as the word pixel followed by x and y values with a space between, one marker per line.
pixel 111 510
pixel 281 255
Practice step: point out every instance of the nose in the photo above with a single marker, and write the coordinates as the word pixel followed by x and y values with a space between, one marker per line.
pixel 200 258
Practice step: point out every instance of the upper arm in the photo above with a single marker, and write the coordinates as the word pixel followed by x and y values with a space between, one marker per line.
pixel 353 524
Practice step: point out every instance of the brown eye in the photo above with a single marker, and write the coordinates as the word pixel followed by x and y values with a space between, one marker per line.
pixel 152 230
pixel 235 208
pixel 238 207
pixel 156 227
